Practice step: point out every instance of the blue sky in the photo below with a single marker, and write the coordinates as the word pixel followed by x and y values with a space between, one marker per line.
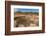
pixel 25 10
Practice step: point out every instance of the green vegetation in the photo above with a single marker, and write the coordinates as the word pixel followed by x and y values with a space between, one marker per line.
pixel 27 13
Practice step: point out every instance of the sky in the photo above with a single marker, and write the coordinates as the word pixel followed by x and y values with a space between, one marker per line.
pixel 25 10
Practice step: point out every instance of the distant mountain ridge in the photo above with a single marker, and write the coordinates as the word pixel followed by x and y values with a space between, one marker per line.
pixel 26 12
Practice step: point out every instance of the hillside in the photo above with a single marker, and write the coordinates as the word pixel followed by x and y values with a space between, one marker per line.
pixel 26 13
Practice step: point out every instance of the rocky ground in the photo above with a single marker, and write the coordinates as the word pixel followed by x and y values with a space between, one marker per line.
pixel 25 20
